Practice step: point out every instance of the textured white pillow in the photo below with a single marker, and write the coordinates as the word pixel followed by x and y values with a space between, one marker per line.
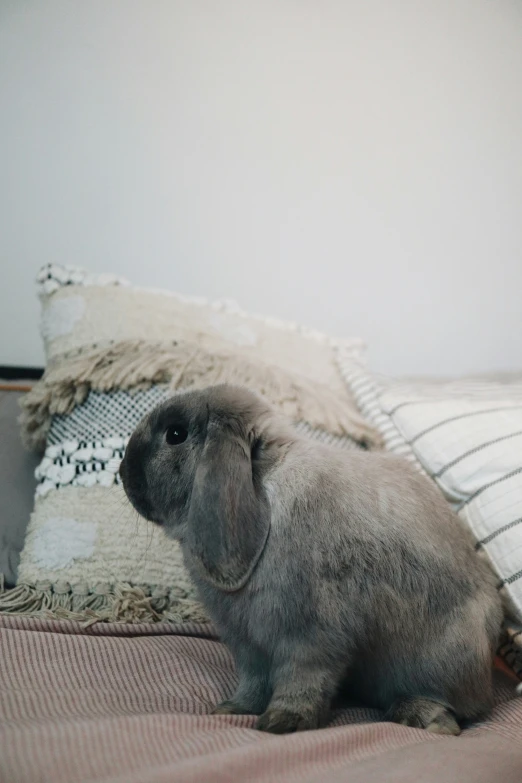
pixel 103 335
pixel 114 352
pixel 467 436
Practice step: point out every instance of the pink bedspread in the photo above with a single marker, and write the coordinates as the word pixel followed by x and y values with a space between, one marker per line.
pixel 130 704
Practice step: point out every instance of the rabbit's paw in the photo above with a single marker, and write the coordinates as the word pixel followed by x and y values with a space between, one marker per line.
pixel 281 721
pixel 421 713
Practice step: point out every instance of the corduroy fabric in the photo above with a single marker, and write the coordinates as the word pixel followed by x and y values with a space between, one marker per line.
pixel 130 704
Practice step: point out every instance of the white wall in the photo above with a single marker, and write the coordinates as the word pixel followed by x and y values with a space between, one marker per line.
pixel 356 166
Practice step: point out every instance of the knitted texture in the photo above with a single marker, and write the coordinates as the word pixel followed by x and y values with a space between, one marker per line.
pixel 185 365
pixel 87 554
pixel 114 352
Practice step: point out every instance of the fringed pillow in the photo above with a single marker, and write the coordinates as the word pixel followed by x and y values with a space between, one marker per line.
pixel 114 352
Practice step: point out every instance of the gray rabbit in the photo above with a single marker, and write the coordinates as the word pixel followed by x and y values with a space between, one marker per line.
pixel 323 570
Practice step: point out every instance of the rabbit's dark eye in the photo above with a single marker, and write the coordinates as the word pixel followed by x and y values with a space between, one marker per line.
pixel 175 435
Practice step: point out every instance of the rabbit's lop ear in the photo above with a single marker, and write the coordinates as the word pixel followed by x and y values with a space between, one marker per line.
pixel 229 515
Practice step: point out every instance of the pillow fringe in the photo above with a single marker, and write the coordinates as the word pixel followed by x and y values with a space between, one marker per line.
pixel 139 364
pixel 119 603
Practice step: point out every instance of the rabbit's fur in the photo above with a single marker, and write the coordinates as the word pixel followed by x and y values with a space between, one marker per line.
pixel 322 569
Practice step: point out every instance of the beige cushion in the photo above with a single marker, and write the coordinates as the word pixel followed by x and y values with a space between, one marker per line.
pixel 114 352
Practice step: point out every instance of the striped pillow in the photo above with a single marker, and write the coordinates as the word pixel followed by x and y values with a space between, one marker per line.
pixel 467 436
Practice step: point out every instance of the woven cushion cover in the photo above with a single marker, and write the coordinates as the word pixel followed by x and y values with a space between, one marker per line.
pixel 114 351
